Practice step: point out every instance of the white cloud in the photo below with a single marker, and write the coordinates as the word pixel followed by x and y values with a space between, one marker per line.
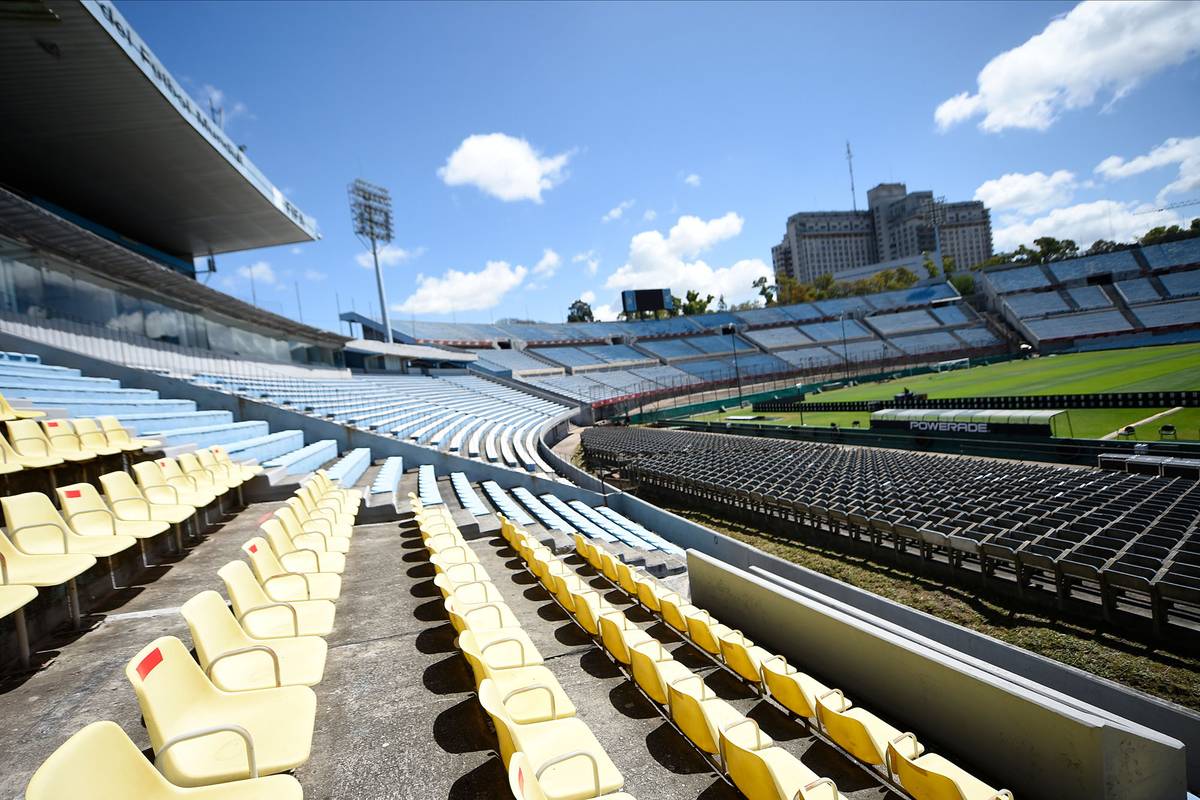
pixel 692 180
pixel 1097 48
pixel 604 313
pixel 548 264
pixel 295 251
pixel 588 259
pixel 260 271
pixel 390 255
pixel 657 261
pixel 505 167
pixel 649 215
pixel 314 275
pixel 1029 193
pixel 463 291
pixel 1184 152
pixel 588 297
pixel 1084 223
pixel 618 211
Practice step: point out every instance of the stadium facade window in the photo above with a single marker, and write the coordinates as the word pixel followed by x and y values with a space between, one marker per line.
pixel 43 287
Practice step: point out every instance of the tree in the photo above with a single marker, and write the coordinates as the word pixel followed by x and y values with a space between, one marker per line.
pixel 1050 249
pixel 931 268
pixel 695 304
pixel 765 289
pixel 579 312
pixel 746 306
pixel 964 282
pixel 1160 235
pixel 1102 246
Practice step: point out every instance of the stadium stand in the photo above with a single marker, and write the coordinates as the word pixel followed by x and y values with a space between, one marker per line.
pixel 1127 538
pixel 1110 299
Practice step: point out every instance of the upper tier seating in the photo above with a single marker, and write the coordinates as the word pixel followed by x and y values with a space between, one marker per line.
pixel 1016 280
pixel 1137 290
pixel 902 322
pixel 671 348
pixel 1070 326
pixel 778 338
pixel 1036 304
pixel 512 360
pixel 1172 254
pixel 1087 297
pixel 835 331
pixel 1164 315
pixel 1182 284
pixel 1120 263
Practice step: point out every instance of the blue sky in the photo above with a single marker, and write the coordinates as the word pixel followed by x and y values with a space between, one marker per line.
pixel 538 153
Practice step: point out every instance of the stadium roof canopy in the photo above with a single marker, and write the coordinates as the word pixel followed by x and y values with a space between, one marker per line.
pixel 94 124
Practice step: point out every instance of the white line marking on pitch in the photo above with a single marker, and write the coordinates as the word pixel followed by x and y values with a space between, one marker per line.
pixel 1143 421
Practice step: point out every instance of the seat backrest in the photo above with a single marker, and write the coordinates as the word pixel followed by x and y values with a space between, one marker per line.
pixel 263 560
pixel 214 629
pixel 61 435
pixel 776 675
pixel 207 460
pixel 562 590
pixel 149 473
pixel 470 650
pixel 642 660
pixel 291 523
pixel 244 591
pixel 583 611
pixel 189 463
pixel 276 536
pixel 671 614
pixel 34 523
pixel 100 749
pixel 28 438
pixel 919 781
pixel 89 433
pixel 171 470
pixel 611 634
pixel 110 425
pixel 118 487
pixel 846 731
pixel 493 704
pixel 688 713
pixel 522 779
pixel 168 682
pixel 646 595
pixel 84 509
pixel 749 771
pixel 735 652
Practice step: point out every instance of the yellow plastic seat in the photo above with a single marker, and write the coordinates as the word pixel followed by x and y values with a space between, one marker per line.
pixel 118 434
pixel 464 573
pixel 654 669
pixel 858 731
pixel 128 502
pixel 309 537
pixel 588 607
pixel 7 412
pixel 89 515
pixel 35 526
pixel 15 596
pixel 159 488
pixel 206 479
pixel 791 688
pixel 500 648
pixel 675 611
pixel 186 465
pixel 608 566
pixel 248 470
pixel 524 782
pixel 563 586
pixel 327 486
pixel 28 439
pixel 203 735
pixel 762 771
pixel 618 635
pixel 441 541
pixel 328 506
pixel 480 617
pixel 62 436
pixel 529 693
pixel 699 713
pixel 282 585
pixel 299 559
pixel 585 549
pixel 705 631
pixel 12 460
pixel 457 554
pixel 743 656
pixel 92 437
pixel 648 591
pixel 51 569
pixel 235 661
pixel 99 762
pixel 321 522
pixel 625 578
pixel 264 618
pixel 228 474
pixel 933 777
pixel 587 773
pixel 467 593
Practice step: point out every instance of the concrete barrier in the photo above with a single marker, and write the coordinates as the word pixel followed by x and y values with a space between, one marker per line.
pixel 1010 732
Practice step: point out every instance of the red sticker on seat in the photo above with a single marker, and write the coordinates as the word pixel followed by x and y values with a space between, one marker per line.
pixel 152 660
pixel 73 493
pixel 253 548
pixel 51 424
pixel 521 781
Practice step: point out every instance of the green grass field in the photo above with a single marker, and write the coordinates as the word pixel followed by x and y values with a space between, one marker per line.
pixel 1170 368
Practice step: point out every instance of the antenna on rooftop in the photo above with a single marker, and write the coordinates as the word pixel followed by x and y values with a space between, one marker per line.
pixel 850 163
pixel 371 208
pixel 217 113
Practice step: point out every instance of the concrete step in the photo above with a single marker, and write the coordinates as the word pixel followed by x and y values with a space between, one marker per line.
pixel 207 435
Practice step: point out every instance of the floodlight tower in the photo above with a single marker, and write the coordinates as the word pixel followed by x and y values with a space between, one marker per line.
pixel 371 208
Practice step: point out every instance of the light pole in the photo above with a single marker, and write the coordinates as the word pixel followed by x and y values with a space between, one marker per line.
pixel 371 208
pixel 845 357
pixel 731 329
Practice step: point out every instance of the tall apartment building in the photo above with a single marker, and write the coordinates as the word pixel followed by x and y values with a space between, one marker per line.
pixel 897 224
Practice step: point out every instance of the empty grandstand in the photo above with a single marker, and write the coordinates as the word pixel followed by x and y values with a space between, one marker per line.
pixel 1141 295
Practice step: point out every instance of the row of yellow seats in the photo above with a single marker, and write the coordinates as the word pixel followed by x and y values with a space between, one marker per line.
pixel 32 444
pixel 41 548
pixel 225 728
pixel 550 753
pixel 898 755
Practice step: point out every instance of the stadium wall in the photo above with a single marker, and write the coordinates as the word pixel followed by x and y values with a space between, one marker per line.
pixel 968 709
